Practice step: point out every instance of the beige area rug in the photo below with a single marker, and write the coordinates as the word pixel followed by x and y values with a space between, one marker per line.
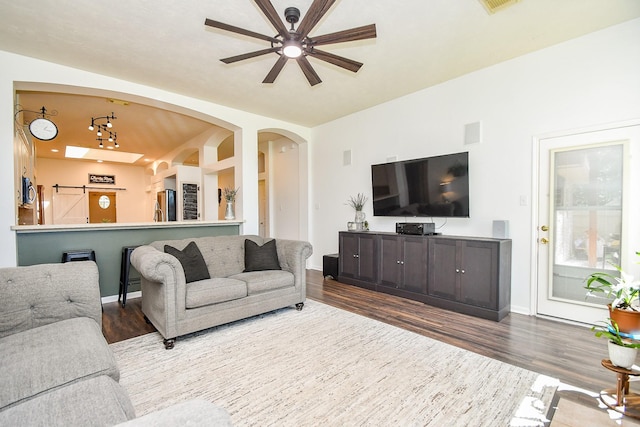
pixel 326 366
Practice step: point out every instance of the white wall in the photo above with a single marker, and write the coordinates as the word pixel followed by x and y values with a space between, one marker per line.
pixel 586 81
pixel 284 190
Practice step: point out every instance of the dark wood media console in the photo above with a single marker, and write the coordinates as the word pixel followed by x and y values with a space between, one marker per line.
pixel 470 275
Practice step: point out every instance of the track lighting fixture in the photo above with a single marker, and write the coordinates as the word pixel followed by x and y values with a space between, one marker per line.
pixel 113 137
pixel 104 128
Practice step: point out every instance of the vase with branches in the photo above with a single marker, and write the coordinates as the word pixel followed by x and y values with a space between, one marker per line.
pixel 357 202
pixel 230 197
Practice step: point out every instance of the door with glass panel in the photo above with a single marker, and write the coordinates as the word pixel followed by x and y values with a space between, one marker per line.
pixel 588 185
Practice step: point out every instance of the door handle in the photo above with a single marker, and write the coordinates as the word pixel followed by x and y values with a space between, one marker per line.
pixel 544 228
pixel 544 241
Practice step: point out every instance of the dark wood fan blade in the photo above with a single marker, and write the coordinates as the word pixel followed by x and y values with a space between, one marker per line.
pixel 315 13
pixel 238 30
pixel 308 70
pixel 340 61
pixel 359 33
pixel 275 70
pixel 244 56
pixel 272 15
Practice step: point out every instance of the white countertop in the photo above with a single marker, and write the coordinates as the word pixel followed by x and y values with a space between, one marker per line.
pixel 120 226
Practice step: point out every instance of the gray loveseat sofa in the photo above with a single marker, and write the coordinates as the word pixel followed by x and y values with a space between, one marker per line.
pixel 235 282
pixel 56 368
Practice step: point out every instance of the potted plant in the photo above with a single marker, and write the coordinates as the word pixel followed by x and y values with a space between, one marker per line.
pixel 624 291
pixel 357 203
pixel 622 350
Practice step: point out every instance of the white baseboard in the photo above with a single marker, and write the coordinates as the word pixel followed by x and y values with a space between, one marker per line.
pixel 521 310
pixel 114 298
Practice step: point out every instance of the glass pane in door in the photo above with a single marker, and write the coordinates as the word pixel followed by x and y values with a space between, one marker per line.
pixel 587 216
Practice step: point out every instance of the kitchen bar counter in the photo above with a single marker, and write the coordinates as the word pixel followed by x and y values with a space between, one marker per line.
pixel 39 244
pixel 119 226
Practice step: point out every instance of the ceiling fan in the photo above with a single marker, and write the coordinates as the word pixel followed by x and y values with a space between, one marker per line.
pixel 296 43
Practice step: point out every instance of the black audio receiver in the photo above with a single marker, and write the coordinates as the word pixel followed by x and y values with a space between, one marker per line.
pixel 416 228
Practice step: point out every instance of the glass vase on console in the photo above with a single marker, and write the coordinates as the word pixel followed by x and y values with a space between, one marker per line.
pixel 359 220
pixel 229 214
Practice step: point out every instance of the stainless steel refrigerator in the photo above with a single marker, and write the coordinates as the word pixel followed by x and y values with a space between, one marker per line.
pixel 165 206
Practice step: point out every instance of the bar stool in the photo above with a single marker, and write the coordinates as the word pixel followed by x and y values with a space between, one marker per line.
pixel 79 255
pixel 125 267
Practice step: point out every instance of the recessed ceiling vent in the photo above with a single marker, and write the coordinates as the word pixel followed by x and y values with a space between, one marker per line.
pixel 493 6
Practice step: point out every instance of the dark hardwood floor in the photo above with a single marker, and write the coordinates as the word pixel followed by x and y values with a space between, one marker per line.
pixel 567 352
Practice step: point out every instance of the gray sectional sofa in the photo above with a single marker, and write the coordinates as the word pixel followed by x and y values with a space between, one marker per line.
pixel 194 284
pixel 56 368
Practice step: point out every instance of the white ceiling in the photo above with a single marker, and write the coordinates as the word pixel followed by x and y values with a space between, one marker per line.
pixel 164 43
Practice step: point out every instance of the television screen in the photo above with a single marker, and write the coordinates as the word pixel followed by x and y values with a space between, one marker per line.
pixel 431 187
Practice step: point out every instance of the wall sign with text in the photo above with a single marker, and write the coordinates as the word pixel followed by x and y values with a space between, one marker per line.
pixel 101 179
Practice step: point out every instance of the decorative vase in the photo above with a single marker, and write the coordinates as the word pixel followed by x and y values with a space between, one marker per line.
pixel 359 220
pixel 229 214
pixel 624 357
pixel 628 321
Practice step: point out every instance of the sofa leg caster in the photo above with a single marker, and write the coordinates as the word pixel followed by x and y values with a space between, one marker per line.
pixel 299 306
pixel 169 343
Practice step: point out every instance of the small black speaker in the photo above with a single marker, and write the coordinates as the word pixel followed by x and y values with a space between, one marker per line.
pixel 330 266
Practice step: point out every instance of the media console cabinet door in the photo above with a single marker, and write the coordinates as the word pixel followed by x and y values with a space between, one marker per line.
pixel 403 263
pixel 479 282
pixel 468 271
pixel 414 267
pixel 358 256
pixel 443 275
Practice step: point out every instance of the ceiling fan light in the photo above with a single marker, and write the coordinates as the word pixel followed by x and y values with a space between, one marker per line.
pixel 292 50
pixel 91 127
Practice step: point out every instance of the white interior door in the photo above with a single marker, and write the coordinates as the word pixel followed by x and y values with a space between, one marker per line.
pixel 263 225
pixel 69 206
pixel 588 210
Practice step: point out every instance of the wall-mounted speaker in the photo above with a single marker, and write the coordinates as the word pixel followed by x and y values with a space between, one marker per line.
pixel 501 229
pixel 472 133
pixel 346 158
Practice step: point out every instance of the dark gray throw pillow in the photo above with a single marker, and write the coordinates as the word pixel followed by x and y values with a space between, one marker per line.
pixel 258 258
pixel 192 262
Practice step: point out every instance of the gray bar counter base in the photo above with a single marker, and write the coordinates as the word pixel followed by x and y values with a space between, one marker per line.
pixel 46 244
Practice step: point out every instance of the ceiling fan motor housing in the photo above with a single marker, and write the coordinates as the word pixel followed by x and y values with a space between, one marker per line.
pixel 292 15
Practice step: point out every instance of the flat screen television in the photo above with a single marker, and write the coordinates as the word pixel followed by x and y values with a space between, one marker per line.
pixel 429 187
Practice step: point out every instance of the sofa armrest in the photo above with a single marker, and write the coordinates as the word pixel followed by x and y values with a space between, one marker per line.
pixel 37 295
pixel 148 261
pixel 292 255
pixel 293 252
pixel 163 288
